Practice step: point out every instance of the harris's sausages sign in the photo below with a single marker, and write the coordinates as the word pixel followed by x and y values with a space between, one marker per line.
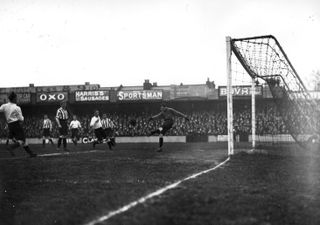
pixel 90 96
pixel 143 95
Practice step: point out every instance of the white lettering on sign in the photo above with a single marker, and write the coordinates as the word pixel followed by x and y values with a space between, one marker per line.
pixel 139 95
pixel 240 91
pixel 82 96
pixel 51 97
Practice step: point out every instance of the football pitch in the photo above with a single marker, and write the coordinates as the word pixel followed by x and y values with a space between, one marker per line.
pixel 133 184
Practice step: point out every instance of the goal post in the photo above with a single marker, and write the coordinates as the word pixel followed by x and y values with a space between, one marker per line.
pixel 229 99
pixel 253 113
pixel 279 108
pixel 230 127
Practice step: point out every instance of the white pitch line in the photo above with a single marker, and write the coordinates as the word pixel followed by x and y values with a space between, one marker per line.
pixel 52 154
pixel 153 194
pixel 68 153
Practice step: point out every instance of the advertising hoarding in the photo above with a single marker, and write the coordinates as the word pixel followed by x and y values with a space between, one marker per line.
pixel 90 96
pixel 143 95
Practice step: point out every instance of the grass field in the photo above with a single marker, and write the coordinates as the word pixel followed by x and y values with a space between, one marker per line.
pixel 278 186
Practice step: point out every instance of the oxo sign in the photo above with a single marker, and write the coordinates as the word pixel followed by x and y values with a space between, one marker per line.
pixel 52 97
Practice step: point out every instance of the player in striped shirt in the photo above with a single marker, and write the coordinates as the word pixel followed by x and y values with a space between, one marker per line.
pixel 167 114
pixel 14 118
pixel 46 130
pixel 75 127
pixel 62 117
pixel 108 127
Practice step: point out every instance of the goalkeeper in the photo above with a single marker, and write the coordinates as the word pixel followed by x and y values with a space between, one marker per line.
pixel 167 114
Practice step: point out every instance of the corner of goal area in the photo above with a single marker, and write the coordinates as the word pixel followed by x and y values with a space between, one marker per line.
pixel 174 185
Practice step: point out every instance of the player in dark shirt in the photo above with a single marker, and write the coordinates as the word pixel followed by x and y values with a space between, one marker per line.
pixel 167 114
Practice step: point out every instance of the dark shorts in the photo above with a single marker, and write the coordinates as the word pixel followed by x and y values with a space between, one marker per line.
pixel 75 133
pixel 63 130
pixel 16 131
pixel 167 125
pixel 46 132
pixel 108 132
pixel 100 134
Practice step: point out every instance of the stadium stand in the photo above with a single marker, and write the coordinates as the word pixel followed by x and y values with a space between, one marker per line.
pixel 204 122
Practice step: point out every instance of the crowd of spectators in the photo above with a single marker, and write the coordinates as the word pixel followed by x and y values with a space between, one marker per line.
pixel 268 121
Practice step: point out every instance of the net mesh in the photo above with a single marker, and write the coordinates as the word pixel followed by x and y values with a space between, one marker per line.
pixel 263 59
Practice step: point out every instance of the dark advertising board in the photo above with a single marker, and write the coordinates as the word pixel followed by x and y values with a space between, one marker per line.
pixel 189 91
pixel 3 98
pixel 240 91
pixel 51 97
pixel 24 98
pixel 91 96
pixel 143 95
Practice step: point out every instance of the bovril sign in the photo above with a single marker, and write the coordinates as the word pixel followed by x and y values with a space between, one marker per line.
pixel 240 91
pixel 52 97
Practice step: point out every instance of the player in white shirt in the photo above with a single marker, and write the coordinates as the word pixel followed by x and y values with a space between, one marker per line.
pixel 14 118
pixel 75 127
pixel 96 125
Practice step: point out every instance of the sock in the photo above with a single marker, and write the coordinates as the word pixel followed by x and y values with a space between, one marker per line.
pixel 95 142
pixel 51 141
pixel 27 149
pixel 59 142
pixel 43 142
pixel 160 141
pixel 113 141
pixel 64 142
pixel 7 142
pixel 109 144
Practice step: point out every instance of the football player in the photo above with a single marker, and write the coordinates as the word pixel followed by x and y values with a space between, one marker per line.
pixel 62 117
pixel 96 125
pixel 75 127
pixel 167 114
pixel 46 130
pixel 14 118
pixel 108 127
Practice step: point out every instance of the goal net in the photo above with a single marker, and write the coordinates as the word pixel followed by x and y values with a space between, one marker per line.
pixel 280 109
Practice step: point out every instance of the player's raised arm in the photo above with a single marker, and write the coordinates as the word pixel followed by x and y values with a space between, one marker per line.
pixel 155 116
pixel 177 113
